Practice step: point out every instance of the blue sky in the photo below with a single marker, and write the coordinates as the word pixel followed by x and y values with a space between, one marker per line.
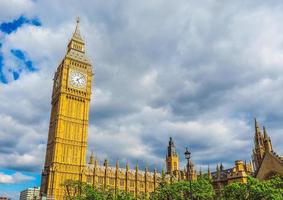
pixel 198 71
pixel 8 28
pixel 29 179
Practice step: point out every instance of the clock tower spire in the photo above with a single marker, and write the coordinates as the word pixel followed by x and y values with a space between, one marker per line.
pixel 68 129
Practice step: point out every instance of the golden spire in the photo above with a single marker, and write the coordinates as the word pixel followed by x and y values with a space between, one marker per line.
pixel 267 141
pixel 106 163
pixel 91 158
pixel 117 164
pixel 256 124
pixel 265 133
pixel 77 33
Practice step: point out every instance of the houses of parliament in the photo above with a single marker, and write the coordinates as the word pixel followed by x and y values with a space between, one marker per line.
pixel 66 150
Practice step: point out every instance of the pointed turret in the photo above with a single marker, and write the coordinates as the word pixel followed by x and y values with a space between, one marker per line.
pixel 267 141
pixel 221 167
pixel 117 164
pixel 76 46
pixel 208 172
pixel 91 159
pixel 127 166
pixel 171 148
pixel 218 171
pixel 106 163
pixel 137 167
pixel 265 133
pixel 76 43
pixel 77 34
pixel 172 158
pixel 256 125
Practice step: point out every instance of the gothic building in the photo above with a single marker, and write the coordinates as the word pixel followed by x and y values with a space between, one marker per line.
pixel 265 160
pixel 68 129
pixel 68 135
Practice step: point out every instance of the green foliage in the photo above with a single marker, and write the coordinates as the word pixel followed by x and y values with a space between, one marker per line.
pixel 76 190
pixel 254 190
pixel 201 189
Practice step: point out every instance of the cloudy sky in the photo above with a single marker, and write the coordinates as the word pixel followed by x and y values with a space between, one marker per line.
pixel 198 71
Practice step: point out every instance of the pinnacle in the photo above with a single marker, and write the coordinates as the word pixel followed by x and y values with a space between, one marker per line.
pixel 77 34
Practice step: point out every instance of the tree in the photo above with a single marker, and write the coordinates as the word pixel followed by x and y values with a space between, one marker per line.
pixel 202 190
pixel 76 190
pixel 254 190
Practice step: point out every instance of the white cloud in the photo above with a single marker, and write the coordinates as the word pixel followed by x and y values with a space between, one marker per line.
pixel 10 9
pixel 14 178
pixel 197 71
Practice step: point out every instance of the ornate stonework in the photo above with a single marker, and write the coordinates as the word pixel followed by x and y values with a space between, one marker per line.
pixel 266 161
pixel 68 130
pixel 68 134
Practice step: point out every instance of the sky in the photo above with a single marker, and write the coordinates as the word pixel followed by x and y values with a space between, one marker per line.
pixel 198 71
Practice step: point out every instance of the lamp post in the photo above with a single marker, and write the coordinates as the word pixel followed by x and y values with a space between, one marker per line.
pixel 188 156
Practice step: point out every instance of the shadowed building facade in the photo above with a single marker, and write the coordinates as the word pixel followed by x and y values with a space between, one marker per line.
pixel 267 162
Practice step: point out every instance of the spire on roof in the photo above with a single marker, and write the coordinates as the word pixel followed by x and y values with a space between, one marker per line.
pixel 91 158
pixel 221 167
pixel 171 148
pixel 256 126
pixel 117 164
pixel 265 133
pixel 77 33
pixel 208 172
pixel 106 163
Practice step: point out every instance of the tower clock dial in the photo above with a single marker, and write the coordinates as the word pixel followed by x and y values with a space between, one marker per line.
pixel 77 79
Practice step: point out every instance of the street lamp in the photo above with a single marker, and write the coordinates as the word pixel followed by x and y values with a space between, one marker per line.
pixel 188 157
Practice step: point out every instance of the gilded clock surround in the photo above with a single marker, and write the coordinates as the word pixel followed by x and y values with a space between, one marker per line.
pixel 77 79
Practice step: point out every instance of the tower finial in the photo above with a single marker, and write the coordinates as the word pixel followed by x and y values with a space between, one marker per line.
pixel 91 158
pixel 256 124
pixel 265 133
pixel 77 34
pixel 117 164
pixel 221 167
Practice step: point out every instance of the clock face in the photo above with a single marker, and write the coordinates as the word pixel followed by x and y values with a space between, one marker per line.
pixel 77 79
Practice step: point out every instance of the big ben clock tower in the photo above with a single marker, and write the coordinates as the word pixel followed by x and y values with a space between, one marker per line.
pixel 67 138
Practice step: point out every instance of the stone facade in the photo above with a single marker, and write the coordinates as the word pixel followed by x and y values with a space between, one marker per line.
pixel 238 173
pixel 68 134
pixel 266 161
pixel 68 130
